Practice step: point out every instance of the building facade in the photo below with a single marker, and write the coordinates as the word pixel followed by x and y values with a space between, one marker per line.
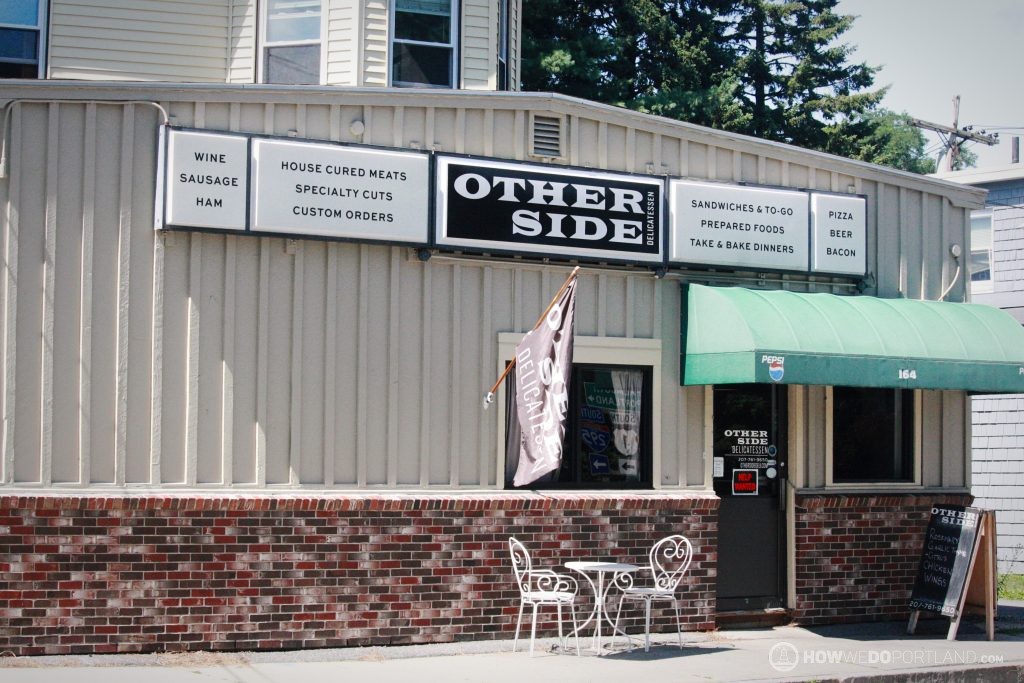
pixel 249 416
pixel 997 279
pixel 436 43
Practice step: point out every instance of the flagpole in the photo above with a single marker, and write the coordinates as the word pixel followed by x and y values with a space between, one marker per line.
pixel 489 398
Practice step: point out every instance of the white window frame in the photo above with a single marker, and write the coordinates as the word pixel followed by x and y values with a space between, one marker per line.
pixel 982 286
pixel 593 351
pixel 42 22
pixel 263 43
pixel 454 45
pixel 504 52
pixel 915 481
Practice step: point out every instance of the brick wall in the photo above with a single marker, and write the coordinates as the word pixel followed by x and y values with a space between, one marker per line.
pixel 857 556
pixel 87 574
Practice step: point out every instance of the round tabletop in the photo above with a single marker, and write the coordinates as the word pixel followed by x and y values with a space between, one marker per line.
pixel 588 566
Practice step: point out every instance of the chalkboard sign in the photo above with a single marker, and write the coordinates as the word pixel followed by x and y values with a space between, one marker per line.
pixel 946 559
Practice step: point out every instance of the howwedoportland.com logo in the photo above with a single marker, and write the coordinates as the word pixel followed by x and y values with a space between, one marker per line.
pixel 784 657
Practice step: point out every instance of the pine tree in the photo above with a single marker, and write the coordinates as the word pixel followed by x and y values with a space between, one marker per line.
pixel 667 58
pixel 775 69
pixel 797 81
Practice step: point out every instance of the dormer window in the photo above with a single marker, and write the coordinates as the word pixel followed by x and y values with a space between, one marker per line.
pixel 423 43
pixel 21 38
pixel 291 42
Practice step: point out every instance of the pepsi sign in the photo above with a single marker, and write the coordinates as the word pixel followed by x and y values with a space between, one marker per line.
pixel 775 367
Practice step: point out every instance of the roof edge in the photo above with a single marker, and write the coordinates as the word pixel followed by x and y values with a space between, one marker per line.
pixel 960 194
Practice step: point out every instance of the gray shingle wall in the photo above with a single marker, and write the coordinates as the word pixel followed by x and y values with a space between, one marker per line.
pixel 997 451
pixel 997 443
pixel 1007 202
pixel 1008 247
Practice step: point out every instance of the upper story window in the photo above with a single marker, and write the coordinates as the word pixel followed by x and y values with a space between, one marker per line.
pixel 22 38
pixel 292 42
pixel 980 264
pixel 423 43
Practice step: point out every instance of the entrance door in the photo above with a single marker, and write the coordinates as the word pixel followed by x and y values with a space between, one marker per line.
pixel 749 477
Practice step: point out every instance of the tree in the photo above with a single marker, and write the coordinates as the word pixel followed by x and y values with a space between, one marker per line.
pixel 770 68
pixel 882 137
pixel 669 58
pixel 797 81
pixel 964 158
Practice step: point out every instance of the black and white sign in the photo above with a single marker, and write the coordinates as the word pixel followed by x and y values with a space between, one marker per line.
pixel 839 232
pixel 495 206
pixel 207 183
pixel 743 227
pixel 945 559
pixel 334 191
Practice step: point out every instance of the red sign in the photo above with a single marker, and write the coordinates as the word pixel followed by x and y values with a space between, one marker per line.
pixel 744 482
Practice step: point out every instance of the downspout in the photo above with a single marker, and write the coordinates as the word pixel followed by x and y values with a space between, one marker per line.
pixel 9 106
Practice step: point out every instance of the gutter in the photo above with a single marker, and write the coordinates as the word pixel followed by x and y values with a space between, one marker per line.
pixel 958 194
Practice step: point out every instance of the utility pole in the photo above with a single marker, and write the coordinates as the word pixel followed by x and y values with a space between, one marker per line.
pixel 952 137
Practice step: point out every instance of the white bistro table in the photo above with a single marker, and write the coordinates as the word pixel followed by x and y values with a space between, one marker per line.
pixel 618 570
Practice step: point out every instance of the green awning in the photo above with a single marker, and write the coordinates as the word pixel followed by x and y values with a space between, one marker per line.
pixel 734 336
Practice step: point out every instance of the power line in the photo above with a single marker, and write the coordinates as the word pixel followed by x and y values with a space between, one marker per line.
pixel 952 137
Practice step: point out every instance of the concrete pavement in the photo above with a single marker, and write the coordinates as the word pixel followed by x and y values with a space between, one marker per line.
pixel 861 652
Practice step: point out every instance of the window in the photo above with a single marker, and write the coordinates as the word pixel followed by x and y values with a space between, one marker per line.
pixel 608 436
pixel 597 360
pixel 22 38
pixel 980 264
pixel 874 435
pixel 291 42
pixel 503 46
pixel 423 43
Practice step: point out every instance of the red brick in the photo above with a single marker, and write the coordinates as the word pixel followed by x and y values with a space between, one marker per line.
pixel 177 572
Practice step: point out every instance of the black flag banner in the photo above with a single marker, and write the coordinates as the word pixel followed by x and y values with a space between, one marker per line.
pixel 543 367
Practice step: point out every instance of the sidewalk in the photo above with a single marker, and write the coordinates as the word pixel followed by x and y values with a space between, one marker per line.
pixel 861 652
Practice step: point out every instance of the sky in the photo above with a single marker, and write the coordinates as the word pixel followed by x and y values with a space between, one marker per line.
pixel 932 50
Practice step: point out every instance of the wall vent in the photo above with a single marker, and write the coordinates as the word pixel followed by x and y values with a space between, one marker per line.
pixel 546 136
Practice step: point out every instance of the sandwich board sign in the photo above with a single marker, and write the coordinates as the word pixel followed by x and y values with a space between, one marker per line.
pixel 956 572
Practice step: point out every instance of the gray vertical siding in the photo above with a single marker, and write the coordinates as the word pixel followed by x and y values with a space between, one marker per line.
pixel 200 360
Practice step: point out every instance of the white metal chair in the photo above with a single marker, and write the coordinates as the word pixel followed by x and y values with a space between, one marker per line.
pixel 669 561
pixel 541 587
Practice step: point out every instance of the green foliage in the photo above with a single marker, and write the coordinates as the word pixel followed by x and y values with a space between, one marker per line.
pixel 1011 586
pixel 664 58
pixel 796 79
pixel 881 137
pixel 770 68
pixel 965 159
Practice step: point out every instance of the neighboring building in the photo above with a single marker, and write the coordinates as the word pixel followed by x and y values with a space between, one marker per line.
pixel 473 44
pixel 997 279
pixel 259 425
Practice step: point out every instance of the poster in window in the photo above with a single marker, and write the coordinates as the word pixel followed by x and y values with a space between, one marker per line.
pixel 609 424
